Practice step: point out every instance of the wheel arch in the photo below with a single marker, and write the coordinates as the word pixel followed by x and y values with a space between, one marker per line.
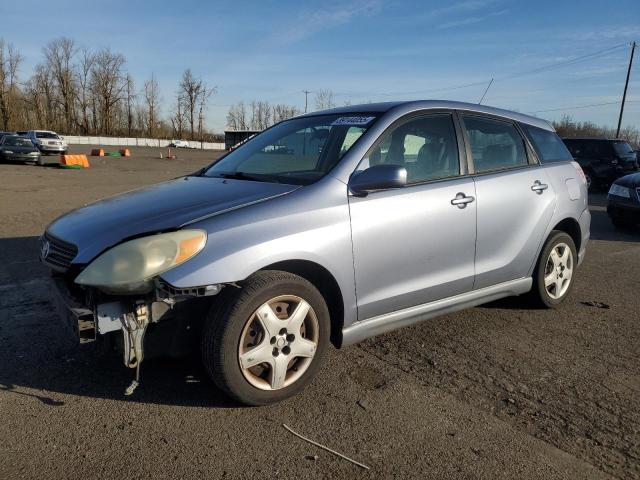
pixel 327 285
pixel 571 227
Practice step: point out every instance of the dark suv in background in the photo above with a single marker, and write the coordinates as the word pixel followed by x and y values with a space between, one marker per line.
pixel 602 160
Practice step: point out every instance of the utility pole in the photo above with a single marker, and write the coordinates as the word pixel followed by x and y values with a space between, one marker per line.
pixel 306 96
pixel 626 85
pixel 200 129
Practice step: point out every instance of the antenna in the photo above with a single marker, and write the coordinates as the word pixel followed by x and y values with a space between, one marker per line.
pixel 485 91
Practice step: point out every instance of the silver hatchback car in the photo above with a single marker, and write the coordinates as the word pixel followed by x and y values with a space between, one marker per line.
pixel 326 228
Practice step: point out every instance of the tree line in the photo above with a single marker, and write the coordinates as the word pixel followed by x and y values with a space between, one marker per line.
pixel 260 114
pixel 76 90
pixel 569 128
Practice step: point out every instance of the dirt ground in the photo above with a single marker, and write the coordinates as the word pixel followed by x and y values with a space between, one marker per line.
pixel 499 391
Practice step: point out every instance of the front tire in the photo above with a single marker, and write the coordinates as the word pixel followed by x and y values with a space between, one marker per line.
pixel 554 272
pixel 264 342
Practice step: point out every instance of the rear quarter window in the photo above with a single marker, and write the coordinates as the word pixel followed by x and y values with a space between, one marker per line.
pixel 548 146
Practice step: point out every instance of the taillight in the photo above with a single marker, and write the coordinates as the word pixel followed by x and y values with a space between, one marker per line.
pixel 581 174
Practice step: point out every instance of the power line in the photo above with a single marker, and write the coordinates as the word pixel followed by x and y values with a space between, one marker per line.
pixel 571 61
pixel 583 106
pixel 588 56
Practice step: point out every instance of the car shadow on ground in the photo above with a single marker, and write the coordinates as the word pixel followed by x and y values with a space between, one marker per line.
pixel 40 361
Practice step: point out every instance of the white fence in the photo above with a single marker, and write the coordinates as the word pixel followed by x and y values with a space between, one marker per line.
pixel 136 142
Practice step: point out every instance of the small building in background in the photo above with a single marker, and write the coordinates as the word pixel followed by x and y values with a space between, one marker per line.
pixel 232 138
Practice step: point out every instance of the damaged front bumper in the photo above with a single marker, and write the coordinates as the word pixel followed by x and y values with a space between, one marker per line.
pixel 88 314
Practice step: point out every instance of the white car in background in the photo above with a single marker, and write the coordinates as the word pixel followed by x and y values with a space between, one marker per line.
pixel 179 144
pixel 47 141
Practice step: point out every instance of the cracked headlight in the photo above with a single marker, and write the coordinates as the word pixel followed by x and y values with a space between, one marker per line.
pixel 131 266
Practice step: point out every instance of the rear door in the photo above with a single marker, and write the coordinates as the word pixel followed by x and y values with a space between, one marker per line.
pixel 515 199
pixel 412 245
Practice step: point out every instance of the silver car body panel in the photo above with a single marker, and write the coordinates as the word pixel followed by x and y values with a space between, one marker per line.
pixel 397 267
pixel 408 316
pixel 397 256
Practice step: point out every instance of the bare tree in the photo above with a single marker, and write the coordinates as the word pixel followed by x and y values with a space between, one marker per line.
pixel 204 98
pixel 39 96
pixel 260 115
pixel 10 60
pixel 83 76
pixel 178 118
pixel 59 55
pixel 108 83
pixel 237 117
pixel 152 100
pixel 324 99
pixel 190 90
pixel 282 112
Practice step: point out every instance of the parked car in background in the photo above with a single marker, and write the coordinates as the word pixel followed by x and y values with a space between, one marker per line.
pixel 623 201
pixel 179 144
pixel 14 148
pixel 602 160
pixel 47 141
pixel 2 134
pixel 397 213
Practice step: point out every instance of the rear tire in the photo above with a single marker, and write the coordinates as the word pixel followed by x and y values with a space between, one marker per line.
pixel 557 261
pixel 258 341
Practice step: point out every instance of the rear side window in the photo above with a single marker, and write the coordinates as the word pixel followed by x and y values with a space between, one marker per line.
pixel 622 148
pixel 547 144
pixel 494 145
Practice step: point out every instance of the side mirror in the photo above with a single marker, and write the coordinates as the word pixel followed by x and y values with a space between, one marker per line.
pixel 378 177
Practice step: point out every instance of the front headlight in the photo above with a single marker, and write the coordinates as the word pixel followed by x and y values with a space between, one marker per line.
pixel 130 266
pixel 620 191
pixel 9 152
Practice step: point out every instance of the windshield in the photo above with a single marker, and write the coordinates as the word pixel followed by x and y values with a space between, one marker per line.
pixel 46 135
pixel 298 151
pixel 622 148
pixel 16 142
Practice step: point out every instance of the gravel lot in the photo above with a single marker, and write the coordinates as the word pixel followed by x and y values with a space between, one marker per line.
pixel 500 391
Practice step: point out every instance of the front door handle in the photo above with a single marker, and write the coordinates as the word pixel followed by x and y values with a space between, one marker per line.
pixel 539 187
pixel 461 200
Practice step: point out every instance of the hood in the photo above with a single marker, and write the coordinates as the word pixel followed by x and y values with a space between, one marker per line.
pixel 160 207
pixel 632 180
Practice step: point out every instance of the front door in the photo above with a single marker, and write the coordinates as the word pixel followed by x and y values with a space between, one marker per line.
pixel 413 245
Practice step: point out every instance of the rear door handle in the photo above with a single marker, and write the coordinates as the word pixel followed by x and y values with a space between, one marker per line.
pixel 539 187
pixel 461 200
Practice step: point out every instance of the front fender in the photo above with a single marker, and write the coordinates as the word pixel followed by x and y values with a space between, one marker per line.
pixel 310 224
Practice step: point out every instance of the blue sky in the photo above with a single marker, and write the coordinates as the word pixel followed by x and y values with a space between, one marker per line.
pixel 363 50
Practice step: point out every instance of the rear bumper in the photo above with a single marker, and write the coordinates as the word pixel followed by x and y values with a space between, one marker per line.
pixel 585 229
pixel 52 148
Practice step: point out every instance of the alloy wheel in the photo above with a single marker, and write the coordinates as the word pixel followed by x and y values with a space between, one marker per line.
pixel 278 342
pixel 558 271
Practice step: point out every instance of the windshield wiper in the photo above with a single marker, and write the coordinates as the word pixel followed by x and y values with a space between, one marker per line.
pixel 246 176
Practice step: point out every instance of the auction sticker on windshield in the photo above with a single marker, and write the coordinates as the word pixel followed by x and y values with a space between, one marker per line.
pixel 352 120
